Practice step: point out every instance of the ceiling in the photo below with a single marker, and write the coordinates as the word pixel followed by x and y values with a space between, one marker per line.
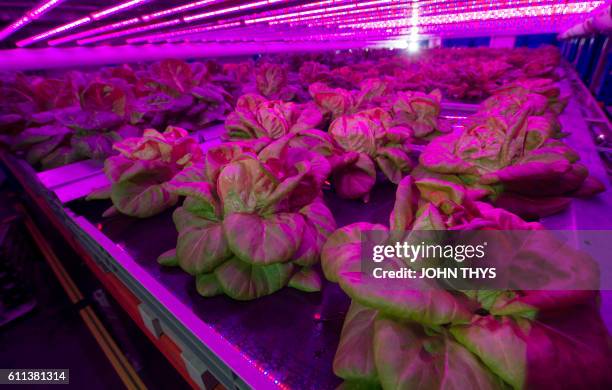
pixel 65 23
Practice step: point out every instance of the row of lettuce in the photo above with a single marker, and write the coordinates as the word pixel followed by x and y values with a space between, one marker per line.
pixel 253 220
pixel 56 118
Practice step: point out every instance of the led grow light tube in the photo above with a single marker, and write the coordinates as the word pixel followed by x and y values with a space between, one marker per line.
pixel 29 16
pixel 338 14
pixel 143 18
pixel 179 9
pixel 230 9
pixel 94 31
pixel 318 11
pixel 507 13
pixel 335 21
pixel 128 31
pixel 186 19
pixel 171 34
pixel 118 8
pixel 52 32
pixel 85 20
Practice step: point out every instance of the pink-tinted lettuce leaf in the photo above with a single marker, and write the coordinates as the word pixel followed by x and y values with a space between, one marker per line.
pixel 93 146
pixel 99 96
pixel 191 174
pixel 439 156
pixel 342 251
pixel 412 299
pixel 304 169
pixel 314 140
pixel 393 162
pixel 100 192
pixel 42 149
pixel 270 79
pixel 408 358
pixel 440 192
pixel 305 118
pixel 307 279
pixel 569 348
pixel 429 217
pixel 312 71
pixel 207 285
pixel 262 241
pixel 334 102
pixel 218 157
pixel 34 135
pixel 142 201
pixel 529 304
pixel 286 189
pixel 114 167
pixel 405 206
pixel 201 245
pixel 531 208
pixel 500 344
pixel 168 258
pixel 77 119
pixel 272 121
pixel 505 220
pixel 524 177
pixel 354 133
pixel 244 186
pixel 372 89
pixel 175 74
pixel 319 224
pixel 418 111
pixel 354 181
pixel 200 199
pixel 245 281
pixel 354 359
pixel 141 192
pixel 590 186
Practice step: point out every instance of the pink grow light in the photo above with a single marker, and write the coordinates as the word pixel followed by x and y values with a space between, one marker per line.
pixel 128 31
pixel 79 22
pixel 230 9
pixel 32 14
pixel 125 22
pixel 94 31
pixel 179 9
pixel 506 13
pixel 118 8
pixel 55 31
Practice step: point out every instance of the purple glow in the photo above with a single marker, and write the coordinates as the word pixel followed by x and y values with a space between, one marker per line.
pixel 128 31
pixel 118 8
pixel 32 14
pixel 94 31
